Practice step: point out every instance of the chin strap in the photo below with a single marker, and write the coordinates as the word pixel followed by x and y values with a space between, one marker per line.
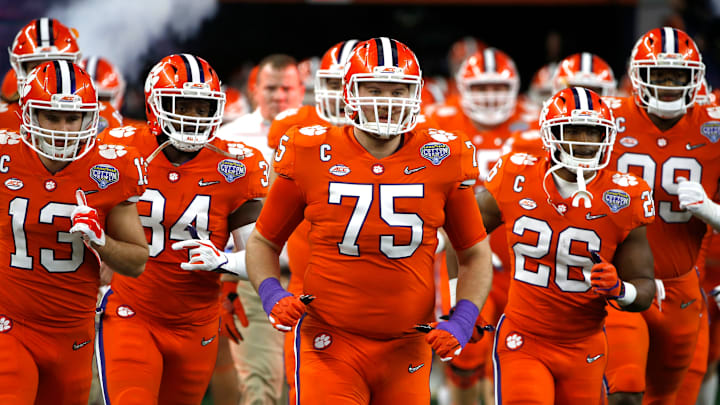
pixel 581 193
pixel 156 152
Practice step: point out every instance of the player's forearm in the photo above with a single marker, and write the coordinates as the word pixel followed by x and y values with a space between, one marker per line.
pixel 645 294
pixel 124 258
pixel 475 273
pixel 262 259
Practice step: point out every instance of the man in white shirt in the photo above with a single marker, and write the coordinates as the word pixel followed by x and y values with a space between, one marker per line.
pixel 258 357
pixel 278 88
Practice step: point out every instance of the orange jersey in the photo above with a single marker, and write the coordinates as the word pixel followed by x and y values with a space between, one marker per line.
pixel 373 222
pixel 109 117
pixel 550 292
pixel 202 192
pixel 305 116
pixel 488 142
pixel 49 276
pixel 10 115
pixel 688 149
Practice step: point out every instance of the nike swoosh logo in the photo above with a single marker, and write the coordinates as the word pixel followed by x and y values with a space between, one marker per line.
pixel 591 359
pixel 691 147
pixel 412 369
pixel 203 183
pixel 408 170
pixel 206 342
pixel 80 345
pixel 87 192
pixel 591 217
pixel 684 305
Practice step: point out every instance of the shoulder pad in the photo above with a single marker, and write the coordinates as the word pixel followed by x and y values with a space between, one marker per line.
pixel 286 113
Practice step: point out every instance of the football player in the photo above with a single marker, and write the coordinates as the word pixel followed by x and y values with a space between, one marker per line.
pixel 667 140
pixel 577 237
pixel 158 334
pixel 71 203
pixel 375 193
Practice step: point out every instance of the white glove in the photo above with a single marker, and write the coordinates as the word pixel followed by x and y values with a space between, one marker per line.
pixel 203 255
pixel 693 198
pixel 691 195
pixel 86 222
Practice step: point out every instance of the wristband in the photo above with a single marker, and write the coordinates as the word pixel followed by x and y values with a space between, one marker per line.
pixel 629 296
pixel 270 292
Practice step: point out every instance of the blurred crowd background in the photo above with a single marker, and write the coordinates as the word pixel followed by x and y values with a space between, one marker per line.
pixel 234 35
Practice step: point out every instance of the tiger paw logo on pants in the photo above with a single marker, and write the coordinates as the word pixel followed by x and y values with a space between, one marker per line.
pixel 5 324
pixel 322 341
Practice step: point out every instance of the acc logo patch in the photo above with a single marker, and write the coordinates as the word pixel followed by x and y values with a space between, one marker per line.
pixel 322 341
pixel 628 142
pixel 14 184
pixel 514 341
pixel 528 204
pixel 104 175
pixel 231 169
pixel 616 199
pixel 711 131
pixel 523 159
pixel 435 152
pixel 340 170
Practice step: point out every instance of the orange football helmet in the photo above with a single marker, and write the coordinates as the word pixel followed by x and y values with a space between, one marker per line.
pixel 389 61
pixel 42 40
pixel 59 86
pixel 489 83
pixel 705 95
pixel 585 70
pixel 576 106
pixel 109 81
pixel 669 49
pixel 329 101
pixel 583 107
pixel 461 50
pixel 9 91
pixel 183 76
pixel 541 87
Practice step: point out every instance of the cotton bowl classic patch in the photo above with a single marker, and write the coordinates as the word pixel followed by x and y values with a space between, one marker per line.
pixel 104 175
pixel 616 199
pixel 435 152
pixel 231 169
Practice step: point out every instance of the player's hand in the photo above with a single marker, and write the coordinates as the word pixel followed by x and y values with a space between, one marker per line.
pixel 86 222
pixel 448 338
pixel 691 195
pixel 604 278
pixel 286 313
pixel 283 309
pixel 203 255
pixel 230 307
pixel 481 327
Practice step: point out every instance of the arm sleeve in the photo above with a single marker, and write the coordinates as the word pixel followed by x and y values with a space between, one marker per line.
pixel 463 222
pixel 283 210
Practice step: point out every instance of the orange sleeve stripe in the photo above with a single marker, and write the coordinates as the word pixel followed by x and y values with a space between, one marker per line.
pixel 283 210
pixel 463 221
